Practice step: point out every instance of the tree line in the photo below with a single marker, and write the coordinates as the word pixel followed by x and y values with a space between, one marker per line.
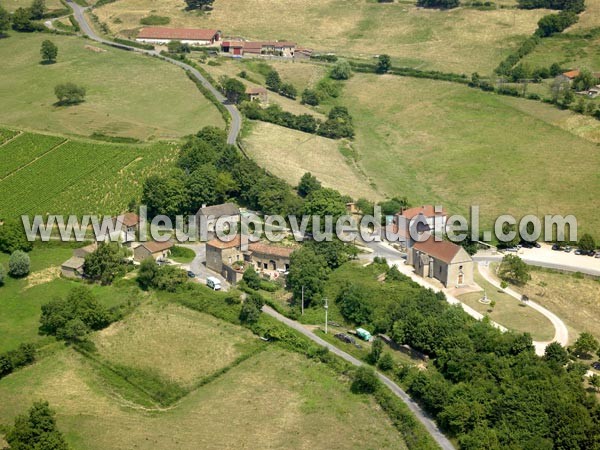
pixel 488 388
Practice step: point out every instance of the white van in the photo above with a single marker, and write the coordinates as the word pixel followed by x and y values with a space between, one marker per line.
pixel 213 283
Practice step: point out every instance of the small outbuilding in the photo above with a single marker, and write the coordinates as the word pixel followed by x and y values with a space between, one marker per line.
pixel 73 267
pixel 257 94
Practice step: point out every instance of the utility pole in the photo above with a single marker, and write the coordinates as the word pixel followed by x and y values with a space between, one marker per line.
pixel 302 300
pixel 326 309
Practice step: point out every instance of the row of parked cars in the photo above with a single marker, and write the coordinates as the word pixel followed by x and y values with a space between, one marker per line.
pixel 578 251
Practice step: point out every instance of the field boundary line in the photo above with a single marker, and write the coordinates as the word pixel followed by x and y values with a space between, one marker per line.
pixel 19 133
pixel 18 169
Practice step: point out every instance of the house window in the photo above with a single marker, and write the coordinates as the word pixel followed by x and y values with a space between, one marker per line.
pixel 459 267
pixel 440 269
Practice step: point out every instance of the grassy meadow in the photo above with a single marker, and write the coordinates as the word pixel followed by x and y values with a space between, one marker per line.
pixel 289 154
pixel 570 296
pixel 273 399
pixel 462 40
pixel 128 95
pixel 11 5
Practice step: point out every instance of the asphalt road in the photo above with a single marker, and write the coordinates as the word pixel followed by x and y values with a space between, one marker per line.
pixel 236 118
pixel 427 422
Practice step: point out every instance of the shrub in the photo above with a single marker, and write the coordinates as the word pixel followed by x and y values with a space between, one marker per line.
pixel 155 20
pixel 12 237
pixel 386 362
pixel 18 264
pixel 288 90
pixel 251 278
pixel 2 274
pixel 365 381
pixel 310 97
pixel 341 70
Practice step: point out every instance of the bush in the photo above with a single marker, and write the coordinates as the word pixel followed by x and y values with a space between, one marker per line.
pixel 386 362
pixel 2 274
pixel 310 97
pixel 18 264
pixel 555 23
pixel 12 238
pixel 14 359
pixel 288 90
pixel 155 20
pixel 251 278
pixel 341 70
pixel 365 381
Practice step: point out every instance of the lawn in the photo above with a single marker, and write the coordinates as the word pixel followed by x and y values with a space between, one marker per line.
pixel 21 300
pixel 509 311
pixel 275 399
pixel 461 40
pixel 128 95
pixel 42 174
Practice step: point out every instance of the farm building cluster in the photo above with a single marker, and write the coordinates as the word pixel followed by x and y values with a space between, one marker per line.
pixel 235 47
pixel 571 75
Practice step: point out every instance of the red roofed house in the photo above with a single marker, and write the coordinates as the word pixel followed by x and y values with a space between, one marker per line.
pixel 276 48
pixel 270 257
pixel 162 36
pixel 443 260
pixel 569 76
pixel 426 218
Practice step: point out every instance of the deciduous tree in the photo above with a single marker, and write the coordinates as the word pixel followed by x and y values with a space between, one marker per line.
pixel 49 51
pixel 18 264
pixel 69 93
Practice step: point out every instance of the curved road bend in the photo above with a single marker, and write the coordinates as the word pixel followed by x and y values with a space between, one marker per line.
pixel 429 424
pixel 236 118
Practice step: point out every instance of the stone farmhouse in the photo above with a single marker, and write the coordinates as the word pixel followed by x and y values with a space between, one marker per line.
pixel 230 260
pixel 208 216
pixel 190 36
pixel 257 94
pixel 443 260
pixel 157 250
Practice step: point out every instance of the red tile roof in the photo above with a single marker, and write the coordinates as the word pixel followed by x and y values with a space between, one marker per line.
pixel 426 210
pixel 571 74
pixel 443 250
pixel 189 34
pixel 130 219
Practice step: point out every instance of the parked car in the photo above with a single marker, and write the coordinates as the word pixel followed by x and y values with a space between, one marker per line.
pixel 345 338
pixel 213 283
pixel 556 247
pixel 597 255
pixel 537 245
pixel 596 365
pixel 568 249
pixel 191 274
pixel 579 252
pixel 592 253
pixel 512 249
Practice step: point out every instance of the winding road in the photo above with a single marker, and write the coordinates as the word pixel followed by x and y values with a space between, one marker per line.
pixel 421 416
pixel 236 118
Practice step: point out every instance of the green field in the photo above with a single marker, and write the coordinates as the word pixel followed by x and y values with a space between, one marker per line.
pixel 274 399
pixel 42 174
pixel 21 300
pixel 128 94
pixel 461 40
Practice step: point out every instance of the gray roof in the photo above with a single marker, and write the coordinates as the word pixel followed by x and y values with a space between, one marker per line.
pixel 225 209
pixel 75 262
